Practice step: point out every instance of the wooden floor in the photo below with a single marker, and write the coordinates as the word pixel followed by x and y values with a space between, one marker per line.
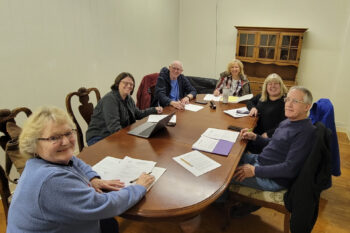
pixel 334 213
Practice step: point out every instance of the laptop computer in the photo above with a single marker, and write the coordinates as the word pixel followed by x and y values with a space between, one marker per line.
pixel 147 129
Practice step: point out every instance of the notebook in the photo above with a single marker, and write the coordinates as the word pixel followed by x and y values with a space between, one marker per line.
pixel 147 129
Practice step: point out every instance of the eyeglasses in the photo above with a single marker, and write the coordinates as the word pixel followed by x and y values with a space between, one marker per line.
pixel 294 101
pixel 127 83
pixel 58 138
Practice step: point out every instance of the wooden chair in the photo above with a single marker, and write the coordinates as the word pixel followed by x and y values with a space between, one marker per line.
pixel 4 191
pixel 86 109
pixel 272 200
pixel 8 116
pixel 302 198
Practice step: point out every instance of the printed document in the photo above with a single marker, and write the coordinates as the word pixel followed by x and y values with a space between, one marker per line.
pixel 196 162
pixel 193 107
pixel 222 134
pixel 127 169
pixel 238 112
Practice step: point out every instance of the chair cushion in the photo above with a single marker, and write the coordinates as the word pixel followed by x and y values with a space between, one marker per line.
pixel 273 197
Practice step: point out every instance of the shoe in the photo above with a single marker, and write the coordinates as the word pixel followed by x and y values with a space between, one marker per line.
pixel 242 209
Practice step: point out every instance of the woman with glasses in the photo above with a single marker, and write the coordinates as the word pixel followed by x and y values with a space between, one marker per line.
pixel 269 105
pixel 116 110
pixel 58 192
pixel 234 80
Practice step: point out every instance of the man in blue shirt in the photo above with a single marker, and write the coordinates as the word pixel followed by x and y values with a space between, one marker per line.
pixel 285 152
pixel 173 88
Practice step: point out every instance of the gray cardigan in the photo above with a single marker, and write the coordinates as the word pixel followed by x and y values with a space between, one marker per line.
pixel 112 113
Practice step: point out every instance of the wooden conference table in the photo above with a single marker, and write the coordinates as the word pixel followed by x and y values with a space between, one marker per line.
pixel 178 195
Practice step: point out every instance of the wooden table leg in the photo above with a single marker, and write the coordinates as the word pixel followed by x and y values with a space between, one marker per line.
pixel 191 225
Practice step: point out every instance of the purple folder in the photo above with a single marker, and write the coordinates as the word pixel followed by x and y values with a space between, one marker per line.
pixel 223 147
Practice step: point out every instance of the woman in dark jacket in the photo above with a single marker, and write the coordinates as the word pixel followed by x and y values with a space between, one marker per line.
pixel 116 110
pixel 269 105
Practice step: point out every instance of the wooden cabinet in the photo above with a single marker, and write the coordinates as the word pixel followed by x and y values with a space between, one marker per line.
pixel 265 50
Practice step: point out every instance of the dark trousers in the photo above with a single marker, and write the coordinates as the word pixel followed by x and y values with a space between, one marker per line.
pixel 109 225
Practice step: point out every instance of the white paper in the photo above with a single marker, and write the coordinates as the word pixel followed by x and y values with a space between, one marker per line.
pixel 193 107
pixel 109 169
pixel 156 118
pixel 222 134
pixel 205 144
pixel 233 112
pixel 196 162
pixel 129 168
pixel 156 172
pixel 209 97
pixel 245 97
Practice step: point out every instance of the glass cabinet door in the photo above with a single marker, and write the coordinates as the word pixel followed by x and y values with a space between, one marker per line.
pixel 289 47
pixel 267 46
pixel 246 44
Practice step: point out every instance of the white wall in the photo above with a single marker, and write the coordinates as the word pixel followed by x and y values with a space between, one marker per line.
pixel 51 48
pixel 208 39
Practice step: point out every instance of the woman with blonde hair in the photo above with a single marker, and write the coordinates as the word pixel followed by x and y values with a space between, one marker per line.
pixel 269 105
pixel 58 192
pixel 233 79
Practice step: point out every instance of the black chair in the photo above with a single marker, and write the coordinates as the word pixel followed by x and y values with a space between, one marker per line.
pixel 203 85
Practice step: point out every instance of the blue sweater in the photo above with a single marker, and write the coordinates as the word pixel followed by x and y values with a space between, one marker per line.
pixel 163 88
pixel 59 198
pixel 285 153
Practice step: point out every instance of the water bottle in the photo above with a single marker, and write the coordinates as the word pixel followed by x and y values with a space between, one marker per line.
pixel 225 94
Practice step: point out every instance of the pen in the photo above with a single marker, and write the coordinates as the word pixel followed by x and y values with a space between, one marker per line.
pixel 132 181
pixel 185 161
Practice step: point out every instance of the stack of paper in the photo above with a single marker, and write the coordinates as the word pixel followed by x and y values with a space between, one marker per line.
pixel 126 170
pixel 238 112
pixel 217 141
pixel 196 162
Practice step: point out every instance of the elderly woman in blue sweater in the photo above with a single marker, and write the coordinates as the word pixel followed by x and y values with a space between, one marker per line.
pixel 58 192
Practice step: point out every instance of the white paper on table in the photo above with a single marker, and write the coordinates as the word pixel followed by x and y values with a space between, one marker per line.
pixel 130 169
pixel 156 118
pixel 193 107
pixel 222 134
pixel 209 97
pixel 196 162
pixel 233 112
pixel 205 144
pixel 156 172
pixel 107 168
